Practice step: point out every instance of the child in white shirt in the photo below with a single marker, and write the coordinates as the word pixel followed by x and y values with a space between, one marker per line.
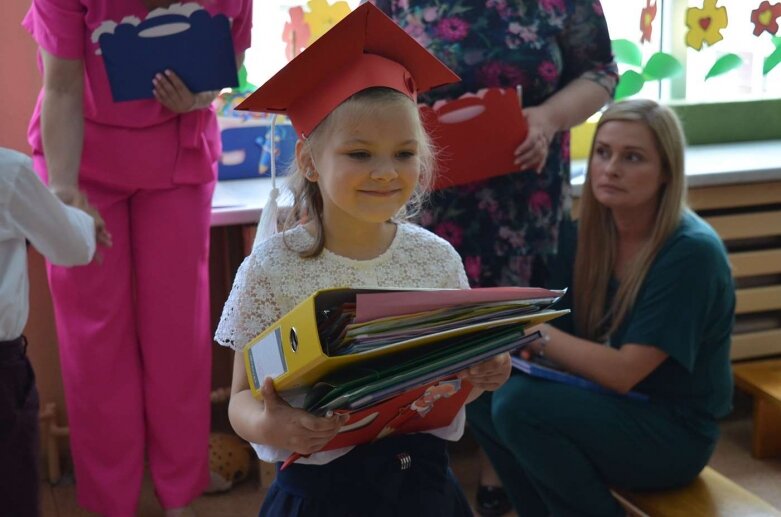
pixel 67 236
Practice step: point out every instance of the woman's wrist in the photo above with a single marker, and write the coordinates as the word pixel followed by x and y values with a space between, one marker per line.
pixel 66 193
pixel 204 99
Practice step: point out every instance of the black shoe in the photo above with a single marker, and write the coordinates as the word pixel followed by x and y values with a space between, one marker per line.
pixel 492 501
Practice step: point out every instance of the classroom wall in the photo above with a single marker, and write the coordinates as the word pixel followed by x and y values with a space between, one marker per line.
pixel 19 78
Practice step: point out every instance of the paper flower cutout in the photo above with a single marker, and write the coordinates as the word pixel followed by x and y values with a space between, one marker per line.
pixel 322 16
pixel 705 24
pixel 647 16
pixel 765 18
pixel 296 33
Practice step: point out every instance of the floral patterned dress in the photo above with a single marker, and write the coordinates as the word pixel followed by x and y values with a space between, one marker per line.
pixel 506 227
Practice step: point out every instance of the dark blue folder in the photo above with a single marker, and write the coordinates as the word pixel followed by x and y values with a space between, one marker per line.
pixel 199 48
pixel 535 369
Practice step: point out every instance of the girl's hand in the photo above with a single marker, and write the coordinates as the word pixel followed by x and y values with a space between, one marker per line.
pixel 174 94
pixel 295 429
pixel 533 151
pixel 490 374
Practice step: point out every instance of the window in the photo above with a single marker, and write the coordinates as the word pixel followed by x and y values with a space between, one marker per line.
pixel 668 34
pixel 267 54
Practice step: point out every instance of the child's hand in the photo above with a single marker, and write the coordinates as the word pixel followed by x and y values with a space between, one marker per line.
pixel 176 96
pixel 490 374
pixel 77 199
pixel 295 429
pixel 102 235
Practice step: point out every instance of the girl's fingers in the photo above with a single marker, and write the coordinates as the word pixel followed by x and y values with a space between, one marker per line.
pixel 323 425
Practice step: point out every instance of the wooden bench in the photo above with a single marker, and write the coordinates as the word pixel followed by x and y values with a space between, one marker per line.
pixel 710 495
pixel 762 380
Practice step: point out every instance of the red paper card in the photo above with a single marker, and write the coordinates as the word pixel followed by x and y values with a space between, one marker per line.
pixel 475 135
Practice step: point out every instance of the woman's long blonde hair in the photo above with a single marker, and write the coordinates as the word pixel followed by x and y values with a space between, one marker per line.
pixel 597 235
pixel 308 201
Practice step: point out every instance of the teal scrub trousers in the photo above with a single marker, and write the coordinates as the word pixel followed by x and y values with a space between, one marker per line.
pixel 558 448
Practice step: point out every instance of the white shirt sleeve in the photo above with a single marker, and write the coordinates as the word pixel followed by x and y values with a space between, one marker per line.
pixel 63 234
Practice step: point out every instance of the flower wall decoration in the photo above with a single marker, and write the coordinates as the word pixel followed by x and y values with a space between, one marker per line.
pixel 706 24
pixel 322 16
pixel 765 18
pixel 296 34
pixel 647 16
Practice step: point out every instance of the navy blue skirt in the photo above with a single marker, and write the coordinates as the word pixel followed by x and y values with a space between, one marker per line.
pixel 406 475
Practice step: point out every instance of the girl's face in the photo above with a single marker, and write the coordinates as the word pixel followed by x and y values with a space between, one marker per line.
pixel 368 165
pixel 625 167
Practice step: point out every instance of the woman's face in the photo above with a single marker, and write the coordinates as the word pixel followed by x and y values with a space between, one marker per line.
pixel 625 167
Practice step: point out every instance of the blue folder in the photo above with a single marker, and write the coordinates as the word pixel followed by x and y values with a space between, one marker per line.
pixel 535 369
pixel 199 48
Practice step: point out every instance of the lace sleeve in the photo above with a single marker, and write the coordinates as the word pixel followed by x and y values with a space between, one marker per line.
pixel 456 271
pixel 251 306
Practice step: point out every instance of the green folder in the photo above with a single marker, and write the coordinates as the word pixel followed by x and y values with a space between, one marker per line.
pixel 368 384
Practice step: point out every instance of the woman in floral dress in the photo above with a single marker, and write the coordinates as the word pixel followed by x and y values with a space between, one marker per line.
pixel 558 51
pixel 506 228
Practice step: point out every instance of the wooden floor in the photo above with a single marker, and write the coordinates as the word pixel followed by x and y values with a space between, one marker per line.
pixel 732 459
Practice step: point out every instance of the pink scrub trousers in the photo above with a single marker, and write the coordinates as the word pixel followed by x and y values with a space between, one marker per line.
pixel 135 345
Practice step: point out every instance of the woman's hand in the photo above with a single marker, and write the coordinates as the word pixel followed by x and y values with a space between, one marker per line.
pixel 72 196
pixel 533 151
pixel 490 374
pixel 174 94
pixel 295 429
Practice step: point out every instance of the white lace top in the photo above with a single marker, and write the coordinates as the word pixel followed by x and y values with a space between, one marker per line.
pixel 274 279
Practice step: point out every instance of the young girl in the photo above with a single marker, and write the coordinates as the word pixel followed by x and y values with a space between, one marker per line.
pixel 358 164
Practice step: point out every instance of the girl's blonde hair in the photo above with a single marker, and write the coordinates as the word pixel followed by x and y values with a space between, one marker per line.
pixel 597 235
pixel 308 201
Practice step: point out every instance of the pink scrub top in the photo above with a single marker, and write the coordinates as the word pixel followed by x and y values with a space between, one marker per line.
pixel 139 144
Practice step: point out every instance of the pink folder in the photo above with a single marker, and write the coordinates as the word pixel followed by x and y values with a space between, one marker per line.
pixel 372 306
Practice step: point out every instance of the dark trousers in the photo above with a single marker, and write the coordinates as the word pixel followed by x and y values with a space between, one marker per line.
pixel 19 477
pixel 398 476
pixel 558 448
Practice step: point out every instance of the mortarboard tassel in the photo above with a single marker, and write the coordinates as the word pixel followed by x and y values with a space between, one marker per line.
pixel 267 225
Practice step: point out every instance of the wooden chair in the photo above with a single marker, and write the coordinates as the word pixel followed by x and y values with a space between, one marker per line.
pixel 762 380
pixel 710 495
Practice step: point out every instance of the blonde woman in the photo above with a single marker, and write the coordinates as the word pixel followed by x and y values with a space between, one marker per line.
pixel 652 311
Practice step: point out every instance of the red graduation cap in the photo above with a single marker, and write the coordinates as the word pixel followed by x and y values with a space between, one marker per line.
pixel 366 49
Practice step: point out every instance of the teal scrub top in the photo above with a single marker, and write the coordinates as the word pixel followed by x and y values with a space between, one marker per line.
pixel 685 307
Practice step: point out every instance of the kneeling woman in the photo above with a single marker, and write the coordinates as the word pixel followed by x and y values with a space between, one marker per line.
pixel 652 311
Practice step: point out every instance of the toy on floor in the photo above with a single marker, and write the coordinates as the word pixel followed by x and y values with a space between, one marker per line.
pixel 229 461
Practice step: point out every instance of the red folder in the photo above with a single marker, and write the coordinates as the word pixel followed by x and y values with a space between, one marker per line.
pixel 475 135
pixel 424 408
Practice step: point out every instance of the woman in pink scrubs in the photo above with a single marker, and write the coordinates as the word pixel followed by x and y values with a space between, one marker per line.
pixel 134 328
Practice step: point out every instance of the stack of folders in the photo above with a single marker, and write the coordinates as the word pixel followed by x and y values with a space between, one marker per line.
pixel 389 358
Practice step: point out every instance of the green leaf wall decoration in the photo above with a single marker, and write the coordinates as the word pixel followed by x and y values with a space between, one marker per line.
pixel 627 52
pixel 629 84
pixel 723 65
pixel 772 60
pixel 661 66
